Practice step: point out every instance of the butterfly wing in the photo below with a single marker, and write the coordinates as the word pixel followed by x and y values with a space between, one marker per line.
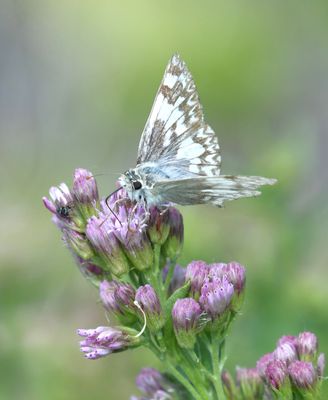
pixel 208 190
pixel 175 134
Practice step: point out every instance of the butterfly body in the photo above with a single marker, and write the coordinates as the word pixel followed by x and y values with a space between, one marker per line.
pixel 179 155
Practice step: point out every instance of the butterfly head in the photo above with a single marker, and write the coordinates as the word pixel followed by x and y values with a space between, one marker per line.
pixel 132 182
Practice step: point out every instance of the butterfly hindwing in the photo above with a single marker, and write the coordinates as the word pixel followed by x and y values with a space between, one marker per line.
pixel 176 133
pixel 209 190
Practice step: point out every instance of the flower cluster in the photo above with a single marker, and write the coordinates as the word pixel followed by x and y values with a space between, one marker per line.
pixel 112 239
pixel 129 252
pixel 293 370
pixel 156 386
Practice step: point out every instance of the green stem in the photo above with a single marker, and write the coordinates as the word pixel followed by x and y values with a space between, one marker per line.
pixel 157 275
pixel 193 368
pixel 183 381
pixel 217 365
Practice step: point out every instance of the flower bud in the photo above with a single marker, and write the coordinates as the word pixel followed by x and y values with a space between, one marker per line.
pixel 91 271
pixel 150 380
pixel 262 364
pixel 230 389
pixel 62 205
pixel 177 279
pixel 235 274
pixel 302 375
pixel 174 243
pixel 85 193
pixel 276 376
pixel 321 364
pixel 250 383
pixel 104 340
pixel 78 243
pixel 158 225
pixel 196 272
pixel 216 297
pixel 150 304
pixel 118 297
pixel 292 340
pixel 138 249
pixel 286 352
pixel 106 244
pixel 307 346
pixel 186 315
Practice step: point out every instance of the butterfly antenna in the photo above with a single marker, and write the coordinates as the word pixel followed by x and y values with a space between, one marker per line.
pixel 106 201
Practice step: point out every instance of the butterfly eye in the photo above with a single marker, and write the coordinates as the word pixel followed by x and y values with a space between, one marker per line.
pixel 136 185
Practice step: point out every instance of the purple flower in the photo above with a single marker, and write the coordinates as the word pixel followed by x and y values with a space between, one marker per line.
pixel 235 274
pixel 150 304
pixel 186 315
pixel 307 346
pixel 292 340
pixel 196 272
pixel 103 239
pixel 250 382
pixel 286 352
pixel 78 243
pixel 128 224
pixel 118 297
pixel 89 270
pixel 321 364
pixel 150 380
pixel 178 277
pixel 61 204
pixel 104 340
pixel 216 297
pixel 302 375
pixel 229 386
pixel 158 225
pixel 276 374
pixel 263 362
pixel 174 242
pixel 85 189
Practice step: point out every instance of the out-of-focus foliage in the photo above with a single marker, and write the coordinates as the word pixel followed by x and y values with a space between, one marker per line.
pixel 77 80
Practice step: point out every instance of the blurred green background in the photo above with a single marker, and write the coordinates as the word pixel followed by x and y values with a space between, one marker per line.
pixel 77 81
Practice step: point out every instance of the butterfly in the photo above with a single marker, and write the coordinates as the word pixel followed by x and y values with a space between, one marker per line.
pixel 179 154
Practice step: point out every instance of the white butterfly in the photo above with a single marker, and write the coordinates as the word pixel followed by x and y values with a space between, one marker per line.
pixel 179 155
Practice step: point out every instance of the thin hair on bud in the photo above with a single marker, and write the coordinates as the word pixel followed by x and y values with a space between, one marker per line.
pixel 136 303
pixel 106 201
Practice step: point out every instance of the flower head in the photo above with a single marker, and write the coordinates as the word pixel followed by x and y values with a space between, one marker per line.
pixel 118 297
pixel 250 383
pixel 235 274
pixel 276 376
pixel 128 223
pixel 286 352
pixel 177 279
pixel 174 242
pixel 196 272
pixel 149 380
pixel 104 340
pixel 216 297
pixel 186 315
pixel 307 346
pixel 302 375
pixel 321 363
pixel 263 362
pixel 106 244
pixel 85 193
pixel 78 243
pixel 158 225
pixel 85 188
pixel 150 304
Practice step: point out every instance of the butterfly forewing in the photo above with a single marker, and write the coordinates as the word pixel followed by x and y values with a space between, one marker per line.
pixel 176 134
